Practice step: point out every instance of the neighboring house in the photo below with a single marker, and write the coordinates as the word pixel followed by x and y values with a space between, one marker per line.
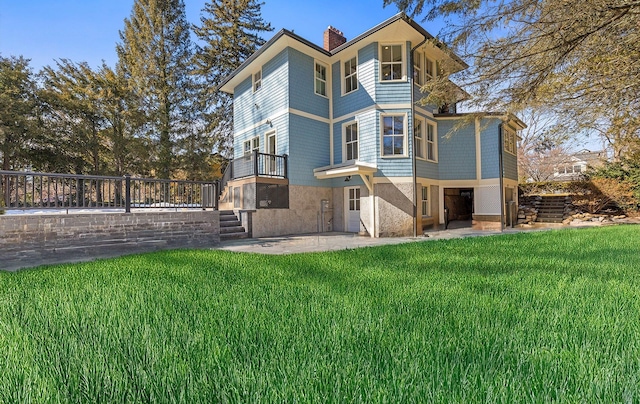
pixel 333 139
pixel 573 167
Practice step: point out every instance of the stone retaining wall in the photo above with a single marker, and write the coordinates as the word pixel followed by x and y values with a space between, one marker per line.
pixel 32 240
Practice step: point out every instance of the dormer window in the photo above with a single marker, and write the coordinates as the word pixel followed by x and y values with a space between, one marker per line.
pixel 391 62
pixel 257 81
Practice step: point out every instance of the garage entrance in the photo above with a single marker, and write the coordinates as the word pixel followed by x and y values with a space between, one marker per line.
pixel 458 202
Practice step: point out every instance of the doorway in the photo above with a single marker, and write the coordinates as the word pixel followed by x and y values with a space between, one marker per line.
pixel 352 209
pixel 458 203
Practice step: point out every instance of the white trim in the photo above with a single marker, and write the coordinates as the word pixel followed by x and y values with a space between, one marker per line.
pixel 478 149
pixel 513 142
pixel 344 140
pixel 405 143
pixel 255 126
pixel 423 138
pixel 326 78
pixel 418 56
pixel 434 125
pixel 343 75
pixel 254 81
pixel 392 180
pixel 375 107
pixel 403 62
pixel 267 134
pixel 308 115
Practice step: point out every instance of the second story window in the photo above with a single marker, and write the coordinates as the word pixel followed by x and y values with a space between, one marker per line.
pixel 250 145
pixel 418 61
pixel 509 141
pixel 257 81
pixel 418 134
pixel 431 142
pixel 351 141
pixel 350 75
pixel 393 136
pixel 429 69
pixel 321 79
pixel 391 62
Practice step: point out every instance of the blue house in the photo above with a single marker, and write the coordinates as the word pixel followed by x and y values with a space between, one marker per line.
pixel 333 138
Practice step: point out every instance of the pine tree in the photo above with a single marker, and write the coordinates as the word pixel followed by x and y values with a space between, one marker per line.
pixel 154 56
pixel 18 111
pixel 230 30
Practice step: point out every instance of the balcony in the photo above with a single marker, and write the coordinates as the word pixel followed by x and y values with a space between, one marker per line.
pixel 255 181
pixel 257 165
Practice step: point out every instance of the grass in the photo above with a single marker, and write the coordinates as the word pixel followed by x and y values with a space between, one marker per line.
pixel 537 317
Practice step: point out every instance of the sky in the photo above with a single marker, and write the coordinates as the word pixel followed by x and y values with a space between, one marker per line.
pixel 88 30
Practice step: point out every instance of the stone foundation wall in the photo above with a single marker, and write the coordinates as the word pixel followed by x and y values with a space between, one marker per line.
pixel 32 240
pixel 303 215
pixel 395 210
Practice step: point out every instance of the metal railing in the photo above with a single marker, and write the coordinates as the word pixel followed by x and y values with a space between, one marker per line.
pixel 31 190
pixel 259 164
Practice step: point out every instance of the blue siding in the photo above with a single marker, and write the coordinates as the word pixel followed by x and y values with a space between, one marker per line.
pixel 426 169
pixel 271 98
pixel 394 166
pixel 362 97
pixel 489 147
pixel 309 149
pixel 302 94
pixel 457 153
pixel 281 127
pixel 395 92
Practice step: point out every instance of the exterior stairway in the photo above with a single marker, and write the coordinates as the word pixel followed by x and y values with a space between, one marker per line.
pixel 551 209
pixel 230 226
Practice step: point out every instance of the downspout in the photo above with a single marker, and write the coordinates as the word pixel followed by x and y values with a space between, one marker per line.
pixel 500 174
pixel 413 143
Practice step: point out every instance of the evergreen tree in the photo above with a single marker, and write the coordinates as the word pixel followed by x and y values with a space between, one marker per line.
pixel 155 58
pixel 230 32
pixel 72 118
pixel 18 112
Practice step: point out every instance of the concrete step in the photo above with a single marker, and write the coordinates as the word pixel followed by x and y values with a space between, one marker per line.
pixel 233 236
pixel 230 223
pixel 550 215
pixel 548 220
pixel 232 229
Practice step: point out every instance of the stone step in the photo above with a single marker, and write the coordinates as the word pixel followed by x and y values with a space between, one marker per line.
pixel 550 215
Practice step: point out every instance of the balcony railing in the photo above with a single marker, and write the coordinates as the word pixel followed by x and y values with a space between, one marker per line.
pixel 29 190
pixel 256 164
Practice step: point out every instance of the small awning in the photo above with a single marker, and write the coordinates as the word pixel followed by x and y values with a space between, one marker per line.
pixel 350 168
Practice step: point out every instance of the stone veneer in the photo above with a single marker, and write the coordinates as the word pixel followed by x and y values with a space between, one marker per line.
pixel 31 240
pixel 303 215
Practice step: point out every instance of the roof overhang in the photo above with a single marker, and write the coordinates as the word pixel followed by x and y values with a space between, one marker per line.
pixel 351 168
pixel 398 27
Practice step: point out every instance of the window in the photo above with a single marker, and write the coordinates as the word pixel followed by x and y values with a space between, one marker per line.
pixel 577 169
pixel 257 81
pixel 354 198
pixel 417 68
pixel 351 141
pixel 509 140
pixel 250 145
pixel 391 62
pixel 350 75
pixel 431 142
pixel 393 136
pixel 428 69
pixel 418 134
pixel 321 79
pixel 425 201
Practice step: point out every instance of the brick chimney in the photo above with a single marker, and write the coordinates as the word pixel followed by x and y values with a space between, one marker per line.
pixel 333 38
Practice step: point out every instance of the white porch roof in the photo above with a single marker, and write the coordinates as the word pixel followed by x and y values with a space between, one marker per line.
pixel 350 168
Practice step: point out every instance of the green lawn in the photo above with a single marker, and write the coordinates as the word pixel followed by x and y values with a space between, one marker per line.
pixel 536 317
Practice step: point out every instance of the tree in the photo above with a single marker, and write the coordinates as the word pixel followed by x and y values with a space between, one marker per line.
pixel 155 58
pixel 18 111
pixel 74 121
pixel 230 31
pixel 579 57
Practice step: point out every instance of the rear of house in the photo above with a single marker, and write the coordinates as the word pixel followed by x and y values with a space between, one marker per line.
pixel 332 139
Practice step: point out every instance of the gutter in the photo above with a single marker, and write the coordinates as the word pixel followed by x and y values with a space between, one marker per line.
pixel 413 144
